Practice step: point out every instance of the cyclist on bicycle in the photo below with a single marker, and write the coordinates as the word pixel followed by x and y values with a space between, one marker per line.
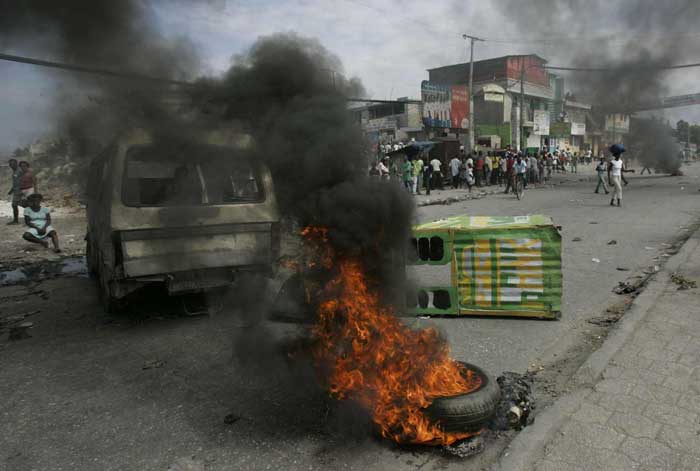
pixel 520 170
pixel 508 177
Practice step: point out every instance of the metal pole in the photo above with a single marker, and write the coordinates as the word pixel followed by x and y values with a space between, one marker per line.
pixel 471 88
pixel 471 95
pixel 522 104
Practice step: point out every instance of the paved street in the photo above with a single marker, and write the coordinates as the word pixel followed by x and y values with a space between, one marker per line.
pixel 656 209
pixel 147 392
pixel 642 413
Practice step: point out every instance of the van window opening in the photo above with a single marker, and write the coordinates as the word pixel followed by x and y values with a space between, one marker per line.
pixel 191 175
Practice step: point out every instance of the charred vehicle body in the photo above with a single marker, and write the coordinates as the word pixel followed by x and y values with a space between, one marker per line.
pixel 185 214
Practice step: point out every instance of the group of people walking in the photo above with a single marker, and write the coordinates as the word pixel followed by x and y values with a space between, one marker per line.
pixel 462 171
pixel 500 168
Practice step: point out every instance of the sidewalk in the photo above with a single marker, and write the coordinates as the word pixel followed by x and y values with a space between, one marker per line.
pixel 638 405
pixel 449 196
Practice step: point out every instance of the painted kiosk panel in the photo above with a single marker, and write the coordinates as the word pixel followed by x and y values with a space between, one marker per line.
pixel 499 266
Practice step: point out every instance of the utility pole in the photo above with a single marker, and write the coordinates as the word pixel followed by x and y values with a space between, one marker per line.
pixel 471 88
pixel 522 104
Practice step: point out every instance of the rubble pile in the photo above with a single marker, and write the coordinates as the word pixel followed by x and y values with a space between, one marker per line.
pixel 513 411
pixel 60 172
pixel 683 282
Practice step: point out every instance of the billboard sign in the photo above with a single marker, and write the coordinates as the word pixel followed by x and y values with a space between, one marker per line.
pixel 445 106
pixel 379 124
pixel 459 107
pixel 495 97
pixel 560 129
pixel 437 105
pixel 541 122
pixel 578 129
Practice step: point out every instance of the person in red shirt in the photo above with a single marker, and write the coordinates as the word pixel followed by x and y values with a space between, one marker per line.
pixel 479 173
pixel 510 161
pixel 27 182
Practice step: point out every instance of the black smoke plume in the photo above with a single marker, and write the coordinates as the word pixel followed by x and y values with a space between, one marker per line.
pixel 288 92
pixel 114 35
pixel 634 39
pixel 653 145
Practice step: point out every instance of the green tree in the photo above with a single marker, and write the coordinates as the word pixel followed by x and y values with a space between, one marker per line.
pixel 681 132
pixel 695 134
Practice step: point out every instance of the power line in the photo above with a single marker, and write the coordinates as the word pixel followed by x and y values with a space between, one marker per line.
pixel 608 38
pixel 90 70
pixel 134 76
pixel 618 69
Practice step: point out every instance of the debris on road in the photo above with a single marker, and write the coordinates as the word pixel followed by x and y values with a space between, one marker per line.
pixel 468 447
pixel 231 419
pixel 636 282
pixel 602 321
pixel 20 331
pixel 153 364
pixel 513 411
pixel 683 282
pixel 628 286
pixel 612 314
pixel 186 464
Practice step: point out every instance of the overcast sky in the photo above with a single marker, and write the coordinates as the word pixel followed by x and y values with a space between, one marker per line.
pixel 388 44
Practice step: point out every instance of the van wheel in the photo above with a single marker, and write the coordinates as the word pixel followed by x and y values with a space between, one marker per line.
pixel 110 304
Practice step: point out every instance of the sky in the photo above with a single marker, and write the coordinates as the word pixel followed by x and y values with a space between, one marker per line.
pixel 388 44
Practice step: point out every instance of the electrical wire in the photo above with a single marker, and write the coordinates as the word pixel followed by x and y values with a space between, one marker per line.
pixel 625 68
pixel 90 70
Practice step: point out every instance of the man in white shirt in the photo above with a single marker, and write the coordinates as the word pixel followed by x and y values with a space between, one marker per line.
pixel 437 175
pixel 616 169
pixel 455 163
pixel 520 169
pixel 383 169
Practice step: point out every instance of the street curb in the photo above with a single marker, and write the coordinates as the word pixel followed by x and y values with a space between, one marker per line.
pixel 528 446
pixel 455 199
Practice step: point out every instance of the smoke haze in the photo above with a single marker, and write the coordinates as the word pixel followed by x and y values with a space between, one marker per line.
pixel 648 35
pixel 119 36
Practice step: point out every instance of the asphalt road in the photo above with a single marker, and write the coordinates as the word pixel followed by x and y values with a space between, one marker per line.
pixel 152 391
pixel 656 209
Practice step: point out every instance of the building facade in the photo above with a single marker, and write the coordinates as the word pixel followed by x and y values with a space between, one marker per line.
pixel 390 122
pixel 505 84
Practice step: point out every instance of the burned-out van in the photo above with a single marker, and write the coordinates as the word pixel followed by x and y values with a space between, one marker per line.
pixel 188 214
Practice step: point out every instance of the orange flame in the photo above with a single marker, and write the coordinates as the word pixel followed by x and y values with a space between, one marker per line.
pixel 372 358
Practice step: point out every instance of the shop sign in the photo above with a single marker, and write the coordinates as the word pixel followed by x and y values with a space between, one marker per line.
pixel 541 122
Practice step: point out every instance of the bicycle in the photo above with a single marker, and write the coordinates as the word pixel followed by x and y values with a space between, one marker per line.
pixel 519 186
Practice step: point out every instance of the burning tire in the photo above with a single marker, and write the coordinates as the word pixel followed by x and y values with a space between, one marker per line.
pixel 467 412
